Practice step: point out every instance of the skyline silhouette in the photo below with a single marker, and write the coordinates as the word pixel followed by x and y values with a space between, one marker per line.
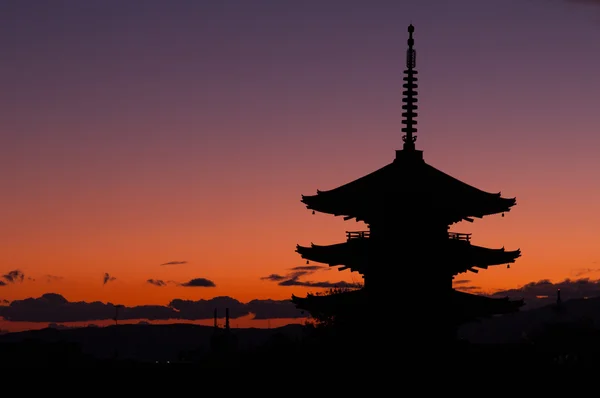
pixel 153 155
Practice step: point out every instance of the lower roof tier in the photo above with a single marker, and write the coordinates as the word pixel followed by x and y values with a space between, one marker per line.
pixel 464 307
pixel 461 256
pixel 408 185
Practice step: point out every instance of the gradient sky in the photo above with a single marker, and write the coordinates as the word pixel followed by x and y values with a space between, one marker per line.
pixel 136 133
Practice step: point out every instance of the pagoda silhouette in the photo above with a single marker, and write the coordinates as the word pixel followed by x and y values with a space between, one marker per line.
pixel 408 257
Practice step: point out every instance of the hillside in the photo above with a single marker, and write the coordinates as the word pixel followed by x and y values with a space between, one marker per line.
pixel 147 342
pixel 513 328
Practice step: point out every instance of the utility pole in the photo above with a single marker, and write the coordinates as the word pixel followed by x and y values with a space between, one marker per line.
pixel 116 331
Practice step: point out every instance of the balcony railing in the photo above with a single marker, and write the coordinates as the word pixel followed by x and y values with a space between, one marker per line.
pixel 367 234
pixel 459 236
pixel 357 234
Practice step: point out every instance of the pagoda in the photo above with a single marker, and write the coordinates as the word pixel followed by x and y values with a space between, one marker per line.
pixel 408 257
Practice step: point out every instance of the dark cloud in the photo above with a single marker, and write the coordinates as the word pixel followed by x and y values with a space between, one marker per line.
pixel 309 268
pixel 52 307
pixel 4 301
pixel 199 282
pixel 274 278
pixel 14 276
pixel 461 282
pixel 157 282
pixel 293 279
pixel 544 292
pixel 107 278
pixel 53 278
pixel 175 263
pixel 585 271
pixel 271 309
pixel 463 285
pixel 468 288
pixel 326 284
pixel 2 283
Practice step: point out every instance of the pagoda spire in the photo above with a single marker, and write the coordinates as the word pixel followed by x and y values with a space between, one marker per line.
pixel 410 95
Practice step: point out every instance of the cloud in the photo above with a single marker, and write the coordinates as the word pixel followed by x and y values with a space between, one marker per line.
pixel 199 282
pixel 4 301
pixel 274 278
pixel 52 307
pixel 2 283
pixel 461 282
pixel 544 292
pixel 463 286
pixel 107 278
pixel 293 278
pixel 326 284
pixel 585 271
pixel 175 263
pixel 14 276
pixel 53 278
pixel 309 268
pixel 471 289
pixel 157 282
pixel 271 309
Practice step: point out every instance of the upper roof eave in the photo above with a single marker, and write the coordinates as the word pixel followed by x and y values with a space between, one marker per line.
pixel 414 180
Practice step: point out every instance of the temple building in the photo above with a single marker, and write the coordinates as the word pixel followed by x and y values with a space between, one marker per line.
pixel 408 257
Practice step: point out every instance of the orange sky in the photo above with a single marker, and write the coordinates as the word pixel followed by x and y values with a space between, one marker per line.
pixel 121 155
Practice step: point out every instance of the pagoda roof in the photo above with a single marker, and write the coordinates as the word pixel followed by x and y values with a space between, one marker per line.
pixel 348 255
pixel 465 306
pixel 353 255
pixel 408 184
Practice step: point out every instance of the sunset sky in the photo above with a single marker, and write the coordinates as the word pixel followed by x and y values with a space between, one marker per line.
pixel 172 140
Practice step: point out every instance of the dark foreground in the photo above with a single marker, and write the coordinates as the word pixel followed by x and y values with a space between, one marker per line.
pixel 558 347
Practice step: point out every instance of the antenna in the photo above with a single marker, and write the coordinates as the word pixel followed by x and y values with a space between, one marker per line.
pixel 116 318
pixel 116 354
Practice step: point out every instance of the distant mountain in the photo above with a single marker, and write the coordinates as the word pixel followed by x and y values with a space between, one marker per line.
pixel 145 342
pixel 512 328
pixel 148 342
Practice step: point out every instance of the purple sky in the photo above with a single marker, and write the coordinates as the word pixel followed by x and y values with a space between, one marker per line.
pixel 119 119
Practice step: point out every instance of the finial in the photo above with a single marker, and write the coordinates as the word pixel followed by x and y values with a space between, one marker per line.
pixel 410 95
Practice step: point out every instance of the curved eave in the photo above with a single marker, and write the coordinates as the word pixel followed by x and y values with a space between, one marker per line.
pixel 348 257
pixel 492 258
pixel 336 255
pixel 484 257
pixel 405 180
pixel 496 206
pixel 331 205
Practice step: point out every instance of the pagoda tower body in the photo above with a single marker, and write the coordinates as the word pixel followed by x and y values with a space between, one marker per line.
pixel 408 257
